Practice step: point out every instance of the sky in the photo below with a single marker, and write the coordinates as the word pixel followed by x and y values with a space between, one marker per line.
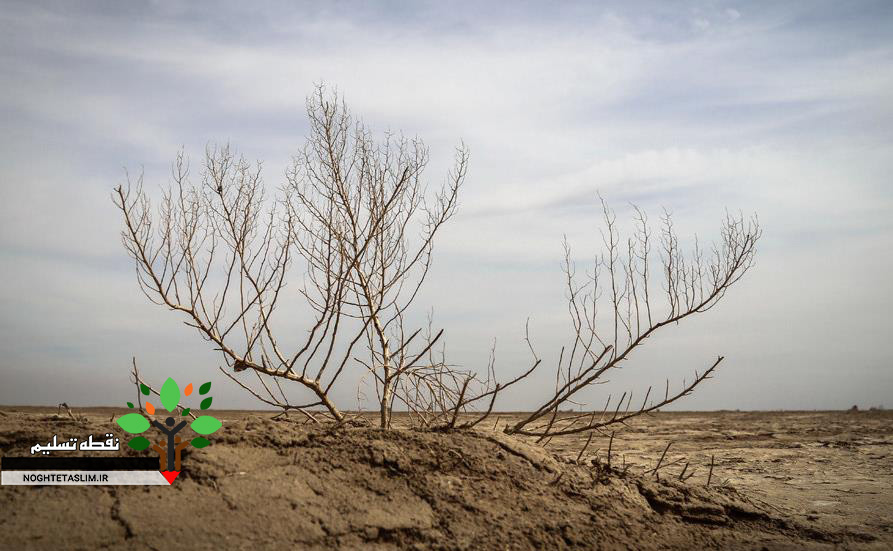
pixel 780 109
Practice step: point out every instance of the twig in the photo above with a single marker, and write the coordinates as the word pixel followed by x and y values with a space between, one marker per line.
pixel 661 460
pixel 486 413
pixel 77 419
pixel 459 404
pixel 588 440
pixel 710 474
pixel 136 381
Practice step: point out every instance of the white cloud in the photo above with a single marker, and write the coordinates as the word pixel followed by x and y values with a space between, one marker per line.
pixel 748 112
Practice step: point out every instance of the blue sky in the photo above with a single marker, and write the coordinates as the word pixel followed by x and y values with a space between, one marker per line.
pixel 783 109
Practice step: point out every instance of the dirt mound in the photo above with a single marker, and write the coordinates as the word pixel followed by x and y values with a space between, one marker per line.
pixel 266 484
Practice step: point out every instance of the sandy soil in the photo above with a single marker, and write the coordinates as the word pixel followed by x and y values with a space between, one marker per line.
pixel 828 468
pixel 780 481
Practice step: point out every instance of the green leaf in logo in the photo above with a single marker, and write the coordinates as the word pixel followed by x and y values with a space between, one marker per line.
pixel 185 412
pixel 144 389
pixel 205 424
pixel 199 442
pixel 206 403
pixel 134 423
pixel 139 443
pixel 170 394
pixel 205 388
pixel 130 405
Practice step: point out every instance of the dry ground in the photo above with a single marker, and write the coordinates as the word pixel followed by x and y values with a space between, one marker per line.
pixel 780 481
pixel 834 468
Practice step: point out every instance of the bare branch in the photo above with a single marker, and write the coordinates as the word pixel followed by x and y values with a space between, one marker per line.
pixel 692 284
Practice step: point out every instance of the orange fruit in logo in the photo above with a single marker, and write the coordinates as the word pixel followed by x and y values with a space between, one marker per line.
pixel 150 408
pixel 188 390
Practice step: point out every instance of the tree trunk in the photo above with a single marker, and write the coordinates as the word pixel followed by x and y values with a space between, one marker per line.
pixel 387 392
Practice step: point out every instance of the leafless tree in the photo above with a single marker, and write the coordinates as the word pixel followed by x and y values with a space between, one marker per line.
pixel 354 203
pixel 615 309
pixel 356 219
pixel 354 227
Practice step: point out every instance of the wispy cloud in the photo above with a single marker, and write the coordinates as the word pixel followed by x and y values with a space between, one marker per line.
pixel 780 109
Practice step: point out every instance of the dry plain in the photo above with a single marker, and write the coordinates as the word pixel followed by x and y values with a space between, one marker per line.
pixel 781 480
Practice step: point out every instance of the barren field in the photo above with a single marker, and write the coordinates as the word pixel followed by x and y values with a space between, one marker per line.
pixel 807 480
pixel 832 468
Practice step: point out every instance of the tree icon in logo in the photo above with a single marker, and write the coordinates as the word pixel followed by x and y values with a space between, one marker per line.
pixel 169 448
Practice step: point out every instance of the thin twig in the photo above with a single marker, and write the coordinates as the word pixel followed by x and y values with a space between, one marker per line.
pixel 136 382
pixel 659 461
pixel 583 450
